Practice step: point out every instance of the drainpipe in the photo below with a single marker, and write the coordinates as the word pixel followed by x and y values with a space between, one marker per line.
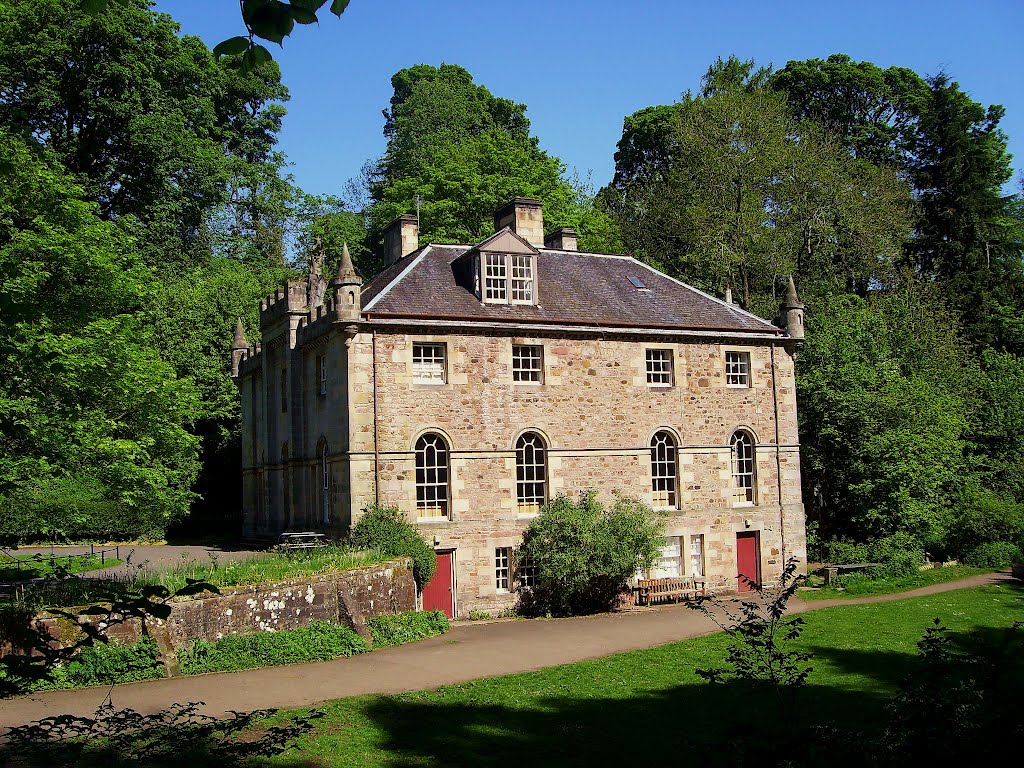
pixel 376 450
pixel 778 456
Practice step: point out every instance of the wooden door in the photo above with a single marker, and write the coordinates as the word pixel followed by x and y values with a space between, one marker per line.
pixel 439 592
pixel 748 560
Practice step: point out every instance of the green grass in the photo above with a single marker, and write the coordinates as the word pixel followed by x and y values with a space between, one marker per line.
pixel 648 706
pixel 859 585
pixel 259 569
pixel 320 641
pixel 40 566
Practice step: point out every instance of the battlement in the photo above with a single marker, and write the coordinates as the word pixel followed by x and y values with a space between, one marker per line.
pixel 250 360
pixel 290 300
pixel 315 325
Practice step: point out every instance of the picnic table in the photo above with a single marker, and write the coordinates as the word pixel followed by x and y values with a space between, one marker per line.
pixel 301 540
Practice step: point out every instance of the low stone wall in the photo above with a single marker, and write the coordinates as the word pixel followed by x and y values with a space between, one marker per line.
pixel 349 597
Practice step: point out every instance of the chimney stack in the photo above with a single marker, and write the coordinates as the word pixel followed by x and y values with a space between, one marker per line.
pixel 564 239
pixel 401 237
pixel 525 217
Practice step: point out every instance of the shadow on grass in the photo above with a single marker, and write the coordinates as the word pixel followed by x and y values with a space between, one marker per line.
pixel 725 724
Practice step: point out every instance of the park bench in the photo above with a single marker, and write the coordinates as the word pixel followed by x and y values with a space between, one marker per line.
pixel 650 591
pixel 301 540
pixel 831 571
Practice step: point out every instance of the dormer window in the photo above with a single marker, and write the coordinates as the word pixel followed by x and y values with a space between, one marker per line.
pixel 508 278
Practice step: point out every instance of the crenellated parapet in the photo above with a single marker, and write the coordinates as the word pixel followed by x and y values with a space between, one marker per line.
pixel 316 325
pixel 287 301
pixel 250 360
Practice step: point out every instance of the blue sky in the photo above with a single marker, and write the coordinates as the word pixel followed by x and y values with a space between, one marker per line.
pixel 580 67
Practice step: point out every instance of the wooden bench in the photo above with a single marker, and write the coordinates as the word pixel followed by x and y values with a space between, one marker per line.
pixel 301 540
pixel 831 571
pixel 650 591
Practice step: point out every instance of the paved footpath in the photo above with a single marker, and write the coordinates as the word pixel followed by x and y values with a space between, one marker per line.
pixel 468 652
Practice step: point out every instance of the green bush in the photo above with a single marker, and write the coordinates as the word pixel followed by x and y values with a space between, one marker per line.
pixel 984 518
pixel 395 629
pixel 387 530
pixel 585 554
pixel 900 555
pixel 842 552
pixel 107 664
pixel 994 554
pixel 320 641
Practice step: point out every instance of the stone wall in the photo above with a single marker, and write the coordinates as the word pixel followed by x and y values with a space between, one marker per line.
pixel 349 598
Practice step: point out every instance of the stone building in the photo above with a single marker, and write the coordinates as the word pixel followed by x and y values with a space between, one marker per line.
pixel 467 385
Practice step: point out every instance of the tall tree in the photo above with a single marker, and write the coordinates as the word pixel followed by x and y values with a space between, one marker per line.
pixel 462 152
pixel 144 120
pixel 92 421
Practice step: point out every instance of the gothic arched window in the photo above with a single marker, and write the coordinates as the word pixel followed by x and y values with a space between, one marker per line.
pixel 531 473
pixel 743 469
pixel 663 470
pixel 431 476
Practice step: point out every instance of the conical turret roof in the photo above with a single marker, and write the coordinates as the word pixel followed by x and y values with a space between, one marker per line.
pixel 792 300
pixel 240 340
pixel 346 270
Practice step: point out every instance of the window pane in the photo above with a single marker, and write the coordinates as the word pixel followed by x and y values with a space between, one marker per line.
pixel 663 470
pixel 697 555
pixel 522 279
pixel 502 570
pixel 737 369
pixel 428 363
pixel 527 363
pixel 527 574
pixel 743 468
pixel 495 277
pixel 670 562
pixel 659 367
pixel 431 476
pixel 531 474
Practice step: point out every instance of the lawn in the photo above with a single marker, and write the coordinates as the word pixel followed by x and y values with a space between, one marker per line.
pixel 644 707
pixel 859 585
pixel 23 567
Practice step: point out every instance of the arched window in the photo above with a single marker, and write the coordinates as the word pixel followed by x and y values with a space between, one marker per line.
pixel 531 473
pixel 324 472
pixel 663 471
pixel 431 476
pixel 743 479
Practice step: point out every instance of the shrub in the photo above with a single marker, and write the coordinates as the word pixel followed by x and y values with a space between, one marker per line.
pixel 387 530
pixel 395 629
pixel 900 555
pixel 984 518
pixel 107 664
pixel 994 554
pixel 585 555
pixel 842 552
pixel 320 641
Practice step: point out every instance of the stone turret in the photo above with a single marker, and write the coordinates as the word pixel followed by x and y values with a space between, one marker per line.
pixel 347 287
pixel 238 348
pixel 793 312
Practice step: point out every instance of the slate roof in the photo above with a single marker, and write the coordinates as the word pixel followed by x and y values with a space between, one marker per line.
pixel 574 288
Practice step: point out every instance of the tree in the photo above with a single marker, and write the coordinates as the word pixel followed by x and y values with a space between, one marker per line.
pixel 969 235
pixel 463 152
pixel 872 111
pixel 727 190
pixel 144 120
pixel 884 389
pixel 92 420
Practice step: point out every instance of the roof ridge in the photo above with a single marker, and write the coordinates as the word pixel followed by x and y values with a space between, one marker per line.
pixel 396 280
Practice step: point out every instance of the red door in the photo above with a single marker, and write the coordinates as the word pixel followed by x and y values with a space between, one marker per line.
pixel 748 560
pixel 439 592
